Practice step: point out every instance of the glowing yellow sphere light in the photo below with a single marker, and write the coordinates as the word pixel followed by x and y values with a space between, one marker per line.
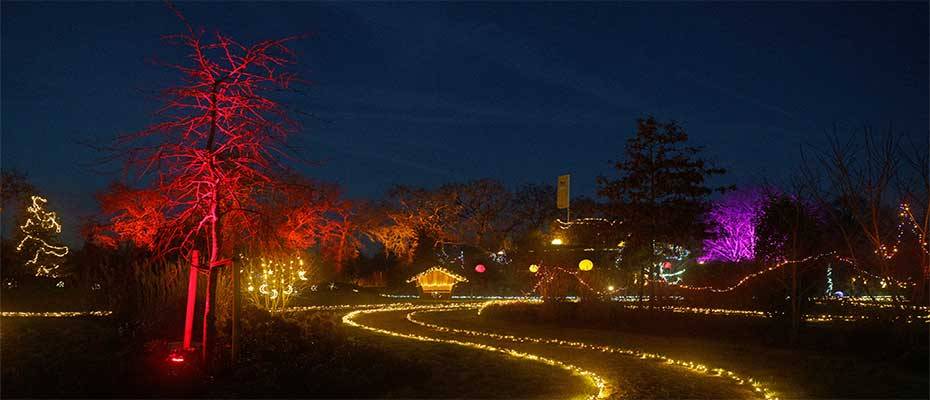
pixel 586 265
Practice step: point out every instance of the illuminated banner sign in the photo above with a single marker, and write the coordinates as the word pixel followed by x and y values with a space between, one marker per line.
pixel 562 192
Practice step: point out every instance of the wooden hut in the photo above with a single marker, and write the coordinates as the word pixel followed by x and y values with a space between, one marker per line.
pixel 436 282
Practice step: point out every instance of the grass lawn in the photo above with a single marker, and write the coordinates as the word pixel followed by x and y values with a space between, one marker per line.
pixel 67 357
pixel 52 357
pixel 447 371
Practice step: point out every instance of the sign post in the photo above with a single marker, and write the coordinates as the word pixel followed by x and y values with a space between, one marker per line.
pixel 562 195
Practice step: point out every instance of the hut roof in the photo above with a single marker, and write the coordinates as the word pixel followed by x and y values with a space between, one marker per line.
pixel 432 270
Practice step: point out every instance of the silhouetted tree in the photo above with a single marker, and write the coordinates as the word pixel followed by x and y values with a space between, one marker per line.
pixel 789 229
pixel 661 192
pixel 15 189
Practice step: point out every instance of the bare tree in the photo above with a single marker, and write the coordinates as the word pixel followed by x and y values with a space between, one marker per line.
pixel 914 186
pixel 864 178
pixel 213 160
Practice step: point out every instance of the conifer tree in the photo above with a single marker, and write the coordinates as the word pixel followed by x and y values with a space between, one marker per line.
pixel 661 192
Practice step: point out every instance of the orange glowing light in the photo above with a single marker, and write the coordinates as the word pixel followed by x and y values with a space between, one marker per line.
pixel 436 280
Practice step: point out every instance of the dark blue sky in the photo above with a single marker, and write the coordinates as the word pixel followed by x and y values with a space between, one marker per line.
pixel 427 93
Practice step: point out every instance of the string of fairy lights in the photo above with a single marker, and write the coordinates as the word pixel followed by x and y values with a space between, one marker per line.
pixel 343 307
pixel 915 227
pixel 455 297
pixel 884 281
pixel 601 385
pixel 886 251
pixel 38 222
pixel 748 277
pixel 879 302
pixel 551 273
pixel 435 278
pixel 757 386
pixel 55 314
pixel 586 221
pixel 761 314
pixel 548 274
pixel 875 302
pixel 271 282
pixel 817 318
pixel 103 313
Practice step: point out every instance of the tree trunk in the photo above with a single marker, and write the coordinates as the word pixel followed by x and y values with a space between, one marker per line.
pixel 209 319
pixel 237 305
pixel 342 245
pixel 209 312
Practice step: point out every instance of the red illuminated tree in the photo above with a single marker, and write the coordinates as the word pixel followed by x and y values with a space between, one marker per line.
pixel 411 214
pixel 137 215
pixel 309 214
pixel 482 214
pixel 210 167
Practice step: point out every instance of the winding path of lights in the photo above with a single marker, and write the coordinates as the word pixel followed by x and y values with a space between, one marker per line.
pixel 55 314
pixel 757 386
pixel 599 383
pixel 817 318
pixel 340 307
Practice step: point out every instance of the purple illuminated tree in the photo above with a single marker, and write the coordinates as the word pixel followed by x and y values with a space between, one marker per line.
pixel 733 226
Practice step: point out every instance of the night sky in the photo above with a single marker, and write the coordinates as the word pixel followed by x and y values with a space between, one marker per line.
pixel 423 94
